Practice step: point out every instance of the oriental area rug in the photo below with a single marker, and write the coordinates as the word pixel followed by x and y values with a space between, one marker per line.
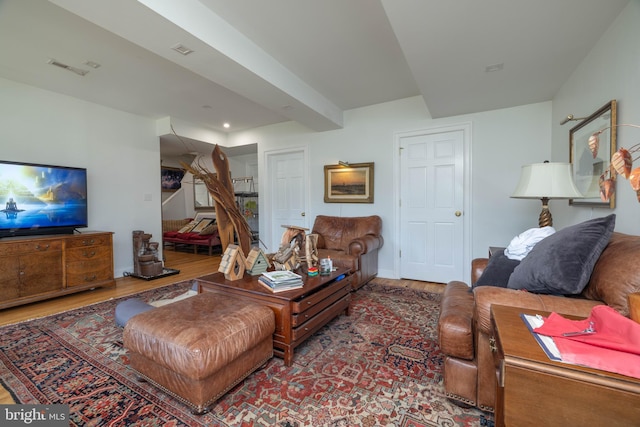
pixel 380 366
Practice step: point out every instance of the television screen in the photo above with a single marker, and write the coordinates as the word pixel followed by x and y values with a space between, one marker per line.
pixel 41 199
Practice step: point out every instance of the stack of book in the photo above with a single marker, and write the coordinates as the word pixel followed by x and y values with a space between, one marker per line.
pixel 279 281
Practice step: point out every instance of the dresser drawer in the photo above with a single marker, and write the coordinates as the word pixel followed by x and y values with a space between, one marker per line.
pixel 90 240
pixel 30 247
pixel 86 272
pixel 495 345
pixel 88 253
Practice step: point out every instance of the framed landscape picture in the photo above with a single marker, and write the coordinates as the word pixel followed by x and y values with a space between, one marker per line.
pixel 350 184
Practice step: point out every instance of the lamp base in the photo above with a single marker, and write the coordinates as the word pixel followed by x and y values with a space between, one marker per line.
pixel 545 219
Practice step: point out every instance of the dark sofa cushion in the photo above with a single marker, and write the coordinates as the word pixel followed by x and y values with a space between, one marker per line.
pixel 561 264
pixel 497 271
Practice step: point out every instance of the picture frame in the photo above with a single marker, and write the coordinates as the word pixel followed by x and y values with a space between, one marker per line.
pixel 204 223
pixel 349 184
pixel 201 197
pixel 587 169
pixel 171 178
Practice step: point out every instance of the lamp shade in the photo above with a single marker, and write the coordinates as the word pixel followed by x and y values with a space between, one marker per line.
pixel 546 180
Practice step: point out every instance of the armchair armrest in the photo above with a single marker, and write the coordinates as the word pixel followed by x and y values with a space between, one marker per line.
pixel 455 321
pixel 364 244
pixel 477 267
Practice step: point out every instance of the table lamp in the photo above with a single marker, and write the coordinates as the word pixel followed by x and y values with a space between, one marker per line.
pixel 546 181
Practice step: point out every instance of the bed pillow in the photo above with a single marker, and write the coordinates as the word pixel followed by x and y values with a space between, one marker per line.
pixel 561 264
pixel 497 271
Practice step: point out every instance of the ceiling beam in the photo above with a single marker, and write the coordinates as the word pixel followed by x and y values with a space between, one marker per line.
pixel 221 54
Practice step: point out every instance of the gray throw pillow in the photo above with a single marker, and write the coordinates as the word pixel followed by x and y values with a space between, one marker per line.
pixel 497 271
pixel 561 264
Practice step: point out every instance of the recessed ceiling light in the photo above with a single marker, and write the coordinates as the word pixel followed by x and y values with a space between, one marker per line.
pixel 92 64
pixel 494 67
pixel 180 48
pixel 226 125
pixel 78 71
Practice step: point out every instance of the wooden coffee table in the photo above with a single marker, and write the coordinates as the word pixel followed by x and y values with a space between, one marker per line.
pixel 299 312
pixel 536 391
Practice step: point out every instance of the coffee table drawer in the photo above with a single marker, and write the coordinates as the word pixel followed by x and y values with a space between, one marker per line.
pixel 300 318
pixel 321 318
pixel 310 301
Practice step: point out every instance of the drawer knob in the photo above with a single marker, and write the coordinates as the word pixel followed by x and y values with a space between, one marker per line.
pixel 89 254
pixel 492 345
pixel 90 278
pixel 42 248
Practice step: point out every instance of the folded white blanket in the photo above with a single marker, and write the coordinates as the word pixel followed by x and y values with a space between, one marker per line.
pixel 522 244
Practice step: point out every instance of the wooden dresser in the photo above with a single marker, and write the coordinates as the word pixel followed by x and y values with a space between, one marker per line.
pixel 42 267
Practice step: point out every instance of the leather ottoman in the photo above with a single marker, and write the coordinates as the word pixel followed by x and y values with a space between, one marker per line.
pixel 199 348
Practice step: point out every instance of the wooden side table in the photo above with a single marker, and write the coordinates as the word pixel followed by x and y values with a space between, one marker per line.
pixel 534 390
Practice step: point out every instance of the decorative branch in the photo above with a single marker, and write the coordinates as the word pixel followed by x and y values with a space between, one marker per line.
pixel 228 216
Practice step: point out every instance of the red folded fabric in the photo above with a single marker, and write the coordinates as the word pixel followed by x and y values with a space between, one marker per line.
pixel 614 347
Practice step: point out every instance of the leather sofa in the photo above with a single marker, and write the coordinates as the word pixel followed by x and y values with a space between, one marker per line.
pixel 350 242
pixel 464 325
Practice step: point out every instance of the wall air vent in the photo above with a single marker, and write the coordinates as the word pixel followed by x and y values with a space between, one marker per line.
pixel 78 71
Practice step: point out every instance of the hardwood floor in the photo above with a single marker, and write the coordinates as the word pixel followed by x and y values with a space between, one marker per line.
pixel 190 266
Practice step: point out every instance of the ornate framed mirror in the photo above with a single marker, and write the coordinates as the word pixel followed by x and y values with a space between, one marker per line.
pixel 587 169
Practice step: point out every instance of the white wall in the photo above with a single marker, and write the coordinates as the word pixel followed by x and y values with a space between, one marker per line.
pixel 610 71
pixel 502 141
pixel 119 150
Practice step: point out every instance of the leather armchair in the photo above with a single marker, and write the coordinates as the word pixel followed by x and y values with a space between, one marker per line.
pixel 351 242
pixel 464 325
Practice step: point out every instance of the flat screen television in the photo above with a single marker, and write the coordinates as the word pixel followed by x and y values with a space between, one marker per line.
pixel 41 199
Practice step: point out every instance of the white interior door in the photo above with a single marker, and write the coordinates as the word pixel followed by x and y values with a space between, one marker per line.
pixel 287 201
pixel 431 208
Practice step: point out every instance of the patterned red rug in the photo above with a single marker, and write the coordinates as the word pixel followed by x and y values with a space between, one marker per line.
pixel 381 366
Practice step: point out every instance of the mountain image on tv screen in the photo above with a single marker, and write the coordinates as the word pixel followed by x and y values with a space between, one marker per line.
pixel 41 196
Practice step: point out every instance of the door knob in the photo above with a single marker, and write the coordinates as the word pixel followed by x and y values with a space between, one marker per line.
pixel 458 213
pixel 302 214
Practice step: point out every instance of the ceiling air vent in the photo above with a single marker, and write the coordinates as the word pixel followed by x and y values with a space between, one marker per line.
pixel 180 48
pixel 78 71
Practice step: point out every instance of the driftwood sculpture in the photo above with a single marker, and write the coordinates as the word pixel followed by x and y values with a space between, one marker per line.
pixel 228 217
pixel 293 242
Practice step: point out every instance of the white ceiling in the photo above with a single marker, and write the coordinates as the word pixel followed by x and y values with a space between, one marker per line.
pixel 259 62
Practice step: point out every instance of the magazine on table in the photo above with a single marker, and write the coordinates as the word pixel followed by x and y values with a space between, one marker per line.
pixel 273 287
pixel 282 276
